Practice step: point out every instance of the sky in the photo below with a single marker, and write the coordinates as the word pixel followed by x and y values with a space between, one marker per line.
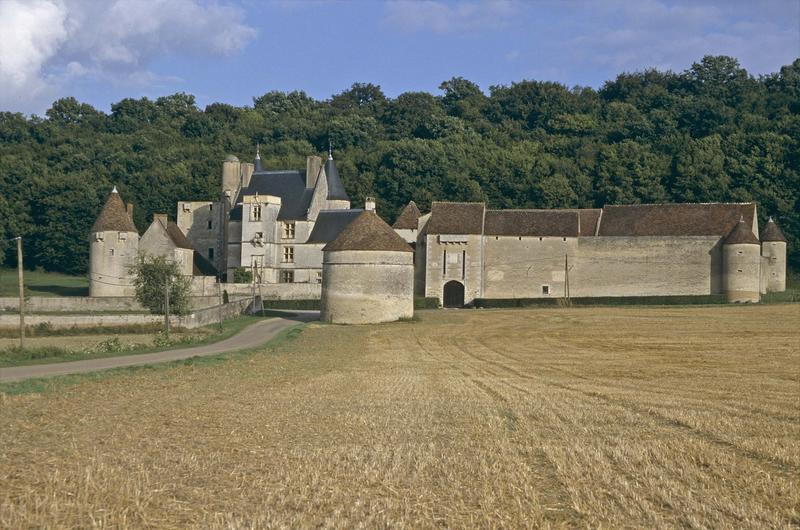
pixel 101 51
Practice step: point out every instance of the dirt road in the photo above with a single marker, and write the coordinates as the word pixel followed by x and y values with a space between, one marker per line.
pixel 250 337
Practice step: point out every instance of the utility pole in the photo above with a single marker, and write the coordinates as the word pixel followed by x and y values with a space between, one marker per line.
pixel 21 294
pixel 166 306
pixel 219 293
pixel 566 279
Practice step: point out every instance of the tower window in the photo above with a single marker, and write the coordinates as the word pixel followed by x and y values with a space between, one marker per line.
pixel 288 254
pixel 288 230
pixel 256 213
pixel 545 289
pixel 210 225
pixel 211 253
pixel 319 276
pixel 112 251
pixel 287 276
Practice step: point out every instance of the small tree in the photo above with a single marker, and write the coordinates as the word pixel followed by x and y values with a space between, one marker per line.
pixel 242 275
pixel 151 275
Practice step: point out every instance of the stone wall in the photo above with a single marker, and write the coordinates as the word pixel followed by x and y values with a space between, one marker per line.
pixel 454 257
pixel 278 291
pixel 87 304
pixel 526 267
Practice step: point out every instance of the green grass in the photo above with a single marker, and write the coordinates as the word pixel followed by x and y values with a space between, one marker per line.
pixel 40 283
pixel 50 354
pixel 52 384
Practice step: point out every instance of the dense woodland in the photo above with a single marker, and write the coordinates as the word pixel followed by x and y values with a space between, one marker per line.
pixel 711 133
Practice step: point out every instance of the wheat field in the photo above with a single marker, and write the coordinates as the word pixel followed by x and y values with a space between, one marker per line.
pixel 583 417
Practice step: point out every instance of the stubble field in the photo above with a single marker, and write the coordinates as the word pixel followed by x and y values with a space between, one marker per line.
pixel 635 417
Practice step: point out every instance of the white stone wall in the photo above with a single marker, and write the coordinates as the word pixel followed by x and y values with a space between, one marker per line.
pixel 646 266
pixel 111 254
pixel 193 219
pixel 275 291
pixel 526 267
pixel 362 287
pixel 741 272
pixel 774 253
pixel 464 264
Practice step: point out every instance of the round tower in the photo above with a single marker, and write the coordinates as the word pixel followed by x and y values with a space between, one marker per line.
pixel 741 262
pixel 773 250
pixel 367 274
pixel 113 246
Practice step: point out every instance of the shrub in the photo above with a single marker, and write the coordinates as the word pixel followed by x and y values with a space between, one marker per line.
pixel 242 275
pixel 152 275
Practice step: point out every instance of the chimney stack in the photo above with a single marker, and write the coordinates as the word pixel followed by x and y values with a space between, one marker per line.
pixel 369 204
pixel 313 166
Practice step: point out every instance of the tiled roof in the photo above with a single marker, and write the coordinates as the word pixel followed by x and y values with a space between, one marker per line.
pixel 330 223
pixel 547 223
pixel 336 191
pixel 368 232
pixel 408 218
pixel 772 232
pixel 741 234
pixel 114 217
pixel 710 219
pixel 456 218
pixel 589 218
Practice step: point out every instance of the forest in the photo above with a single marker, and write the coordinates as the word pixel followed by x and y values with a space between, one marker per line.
pixel 710 133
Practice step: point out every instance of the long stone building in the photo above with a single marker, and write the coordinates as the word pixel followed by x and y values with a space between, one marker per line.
pixel 269 227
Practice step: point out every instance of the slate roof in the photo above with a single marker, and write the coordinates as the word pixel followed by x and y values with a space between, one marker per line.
pixel 456 218
pixel 114 217
pixel 368 232
pixel 709 219
pixel 290 186
pixel 741 234
pixel 408 218
pixel 772 232
pixel 336 189
pixel 236 213
pixel 330 223
pixel 543 223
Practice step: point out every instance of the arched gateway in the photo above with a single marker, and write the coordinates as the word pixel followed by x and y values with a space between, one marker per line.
pixel 454 294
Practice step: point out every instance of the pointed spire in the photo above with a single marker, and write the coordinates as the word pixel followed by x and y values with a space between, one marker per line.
pixel 330 149
pixel 257 161
pixel 114 190
pixel 772 233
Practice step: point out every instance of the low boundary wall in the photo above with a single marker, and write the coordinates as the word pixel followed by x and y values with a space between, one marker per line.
pixel 88 304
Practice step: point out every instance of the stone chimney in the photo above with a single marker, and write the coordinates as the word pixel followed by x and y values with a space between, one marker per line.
pixel 369 204
pixel 313 165
pixel 162 217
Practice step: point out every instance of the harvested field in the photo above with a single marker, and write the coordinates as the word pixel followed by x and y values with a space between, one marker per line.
pixel 634 417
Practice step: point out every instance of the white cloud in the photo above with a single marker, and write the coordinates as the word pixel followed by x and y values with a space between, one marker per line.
pixel 443 17
pixel 46 43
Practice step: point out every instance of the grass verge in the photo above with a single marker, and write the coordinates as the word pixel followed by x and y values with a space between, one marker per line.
pixel 52 384
pixel 49 354
pixel 41 283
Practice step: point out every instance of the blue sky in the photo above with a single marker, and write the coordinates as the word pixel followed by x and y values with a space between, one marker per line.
pixel 229 50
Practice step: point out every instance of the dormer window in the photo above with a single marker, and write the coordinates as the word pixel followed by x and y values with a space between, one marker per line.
pixel 187 207
pixel 123 236
pixel 99 236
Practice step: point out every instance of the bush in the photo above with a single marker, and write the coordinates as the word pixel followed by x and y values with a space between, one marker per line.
pixel 312 305
pixel 242 275
pixel 151 276
pixel 430 302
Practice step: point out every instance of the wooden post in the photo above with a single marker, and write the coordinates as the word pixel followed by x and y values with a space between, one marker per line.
pixel 566 280
pixel 219 293
pixel 21 294
pixel 166 307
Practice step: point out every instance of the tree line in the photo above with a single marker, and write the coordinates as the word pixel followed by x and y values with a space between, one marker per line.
pixel 710 133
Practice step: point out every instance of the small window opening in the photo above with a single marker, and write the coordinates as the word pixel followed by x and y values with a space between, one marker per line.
pixel 288 254
pixel 210 226
pixel 256 212
pixel 288 230
pixel 287 276
pixel 545 289
pixel 319 276
pixel 739 270
pixel 563 238
pixel 112 251
pixel 211 253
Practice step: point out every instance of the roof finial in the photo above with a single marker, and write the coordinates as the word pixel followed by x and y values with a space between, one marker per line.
pixel 258 151
pixel 114 190
pixel 770 220
pixel 330 149
pixel 741 219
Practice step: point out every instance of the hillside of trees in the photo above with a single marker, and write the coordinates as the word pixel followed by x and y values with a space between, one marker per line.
pixel 711 133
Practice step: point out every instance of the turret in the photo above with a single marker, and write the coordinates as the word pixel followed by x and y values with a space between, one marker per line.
pixel 113 247
pixel 231 178
pixel 741 263
pixel 773 253
pixel 337 196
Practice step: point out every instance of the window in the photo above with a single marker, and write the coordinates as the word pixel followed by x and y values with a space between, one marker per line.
pixel 288 254
pixel 211 253
pixel 112 251
pixel 256 213
pixel 187 207
pixel 545 289
pixel 211 207
pixel 319 276
pixel 210 226
pixel 287 276
pixel 563 238
pixel 288 230
pixel 123 236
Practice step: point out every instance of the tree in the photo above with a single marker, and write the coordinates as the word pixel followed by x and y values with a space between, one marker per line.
pixel 151 276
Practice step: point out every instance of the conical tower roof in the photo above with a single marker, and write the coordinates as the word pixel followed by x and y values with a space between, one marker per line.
pixel 741 234
pixel 772 232
pixel 114 217
pixel 336 191
pixel 257 161
pixel 408 218
pixel 368 232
